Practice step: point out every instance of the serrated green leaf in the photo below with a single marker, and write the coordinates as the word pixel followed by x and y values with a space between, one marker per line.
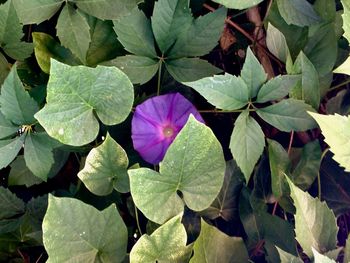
pixel 213 245
pixel 21 175
pixel 201 37
pixel 135 33
pixel 75 230
pixel 104 91
pixel 336 130
pixel 319 258
pixel 36 11
pixel 106 169
pixel 193 165
pixel 190 69
pixel 11 33
pixel 298 12
pixel 288 115
pixel 16 104
pixel 280 166
pixel 277 88
pixel 288 258
pixel 10 204
pixel 139 69
pixel 247 143
pixel 226 92
pixel 165 244
pixel 74 32
pixel 311 232
pixel 4 68
pixel 107 9
pixel 38 154
pixel 238 4
pixel 169 19
pixel 277 43
pixel 9 150
pixel 253 73
pixel 6 127
pixel 46 47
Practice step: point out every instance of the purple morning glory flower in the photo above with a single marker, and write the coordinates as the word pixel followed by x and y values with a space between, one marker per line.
pixel 156 123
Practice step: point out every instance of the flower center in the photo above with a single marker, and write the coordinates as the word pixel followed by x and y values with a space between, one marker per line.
pixel 168 131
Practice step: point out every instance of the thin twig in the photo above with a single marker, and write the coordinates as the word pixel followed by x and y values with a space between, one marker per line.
pixel 339 85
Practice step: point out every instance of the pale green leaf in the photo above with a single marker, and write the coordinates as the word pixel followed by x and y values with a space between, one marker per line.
pixel 10 204
pixel 346 19
pixel 247 143
pixel 253 73
pixel 36 11
pixel 4 68
pixel 347 250
pixel 212 245
pixel 288 115
pixel 16 104
pixel 106 168
pixel 238 4
pixel 277 43
pixel 38 154
pixel 165 244
pixel 9 150
pixel 190 69
pixel 277 88
pixel 226 92
pixel 21 175
pixel 76 232
pixel 139 69
pixel 193 165
pixel 107 9
pixel 135 33
pixel 6 127
pixel 46 47
pixel 315 224
pixel 76 94
pixel 298 12
pixel 169 19
pixel 336 130
pixel 288 258
pixel 201 37
pixel 74 32
pixel 319 258
pixel 344 68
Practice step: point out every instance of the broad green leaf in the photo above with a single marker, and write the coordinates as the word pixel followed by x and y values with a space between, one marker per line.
pixel 76 232
pixel 280 166
pixel 277 88
pixel 21 175
pixel 36 11
pixel 253 73
pixel 9 150
pixel 247 143
pixel 288 115
pixel 16 104
pixel 326 10
pixel 11 33
pixel 344 68
pixel 288 258
pixel 6 127
pixel 193 165
pixel 335 129
pixel 238 4
pixel 308 166
pixel 169 19
pixel 277 43
pixel 4 68
pixel 311 232
pixel 10 204
pixel 298 12
pixel 190 69
pixel 347 250
pixel 165 244
pixel 226 92
pixel 135 33
pixel 212 245
pixel 319 258
pixel 106 168
pixel 139 69
pixel 76 94
pixel 74 32
pixel 201 37
pixel 46 47
pixel 225 204
pixel 308 88
pixel 107 9
pixel 38 154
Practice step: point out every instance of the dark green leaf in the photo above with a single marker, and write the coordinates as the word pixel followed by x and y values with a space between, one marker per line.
pixel 4 68
pixel 10 204
pixel 9 150
pixel 6 127
pixel 72 229
pixel 21 175
pixel 190 69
